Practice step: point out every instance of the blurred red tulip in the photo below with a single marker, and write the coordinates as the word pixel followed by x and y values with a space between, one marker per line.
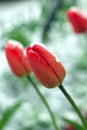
pixel 17 58
pixel 77 20
pixel 69 127
pixel 85 114
pixel 47 68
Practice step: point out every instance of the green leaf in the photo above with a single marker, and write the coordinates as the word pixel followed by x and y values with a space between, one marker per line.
pixel 7 115
pixel 76 125
pixel 18 33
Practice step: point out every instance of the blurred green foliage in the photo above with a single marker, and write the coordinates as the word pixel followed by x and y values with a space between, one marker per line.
pixel 22 32
pixel 7 115
pixel 82 62
pixel 75 124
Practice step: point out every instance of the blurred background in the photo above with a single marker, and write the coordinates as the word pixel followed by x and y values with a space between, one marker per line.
pixel 44 21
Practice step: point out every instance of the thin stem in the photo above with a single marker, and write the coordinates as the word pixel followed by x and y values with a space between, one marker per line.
pixel 74 105
pixel 45 103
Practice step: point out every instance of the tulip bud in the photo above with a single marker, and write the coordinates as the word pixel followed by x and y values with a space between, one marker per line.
pixel 69 127
pixel 77 20
pixel 47 68
pixel 17 59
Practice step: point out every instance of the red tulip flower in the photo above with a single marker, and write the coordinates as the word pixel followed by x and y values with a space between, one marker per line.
pixel 47 68
pixel 69 127
pixel 77 20
pixel 17 59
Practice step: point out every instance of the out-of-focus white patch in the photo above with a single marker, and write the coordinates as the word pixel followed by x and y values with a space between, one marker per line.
pixel 57 60
pixel 74 8
pixel 38 43
pixel 25 53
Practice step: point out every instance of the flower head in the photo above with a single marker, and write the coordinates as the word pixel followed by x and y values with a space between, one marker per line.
pixel 77 20
pixel 48 70
pixel 69 127
pixel 16 58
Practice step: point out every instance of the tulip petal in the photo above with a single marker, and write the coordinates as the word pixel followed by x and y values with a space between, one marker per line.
pixel 17 60
pixel 77 20
pixel 45 66
pixel 51 59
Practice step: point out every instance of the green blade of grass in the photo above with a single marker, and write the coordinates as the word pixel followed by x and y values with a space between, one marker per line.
pixel 76 125
pixel 7 115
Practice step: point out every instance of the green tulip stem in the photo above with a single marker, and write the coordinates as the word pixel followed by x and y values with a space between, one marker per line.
pixel 73 105
pixel 45 103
